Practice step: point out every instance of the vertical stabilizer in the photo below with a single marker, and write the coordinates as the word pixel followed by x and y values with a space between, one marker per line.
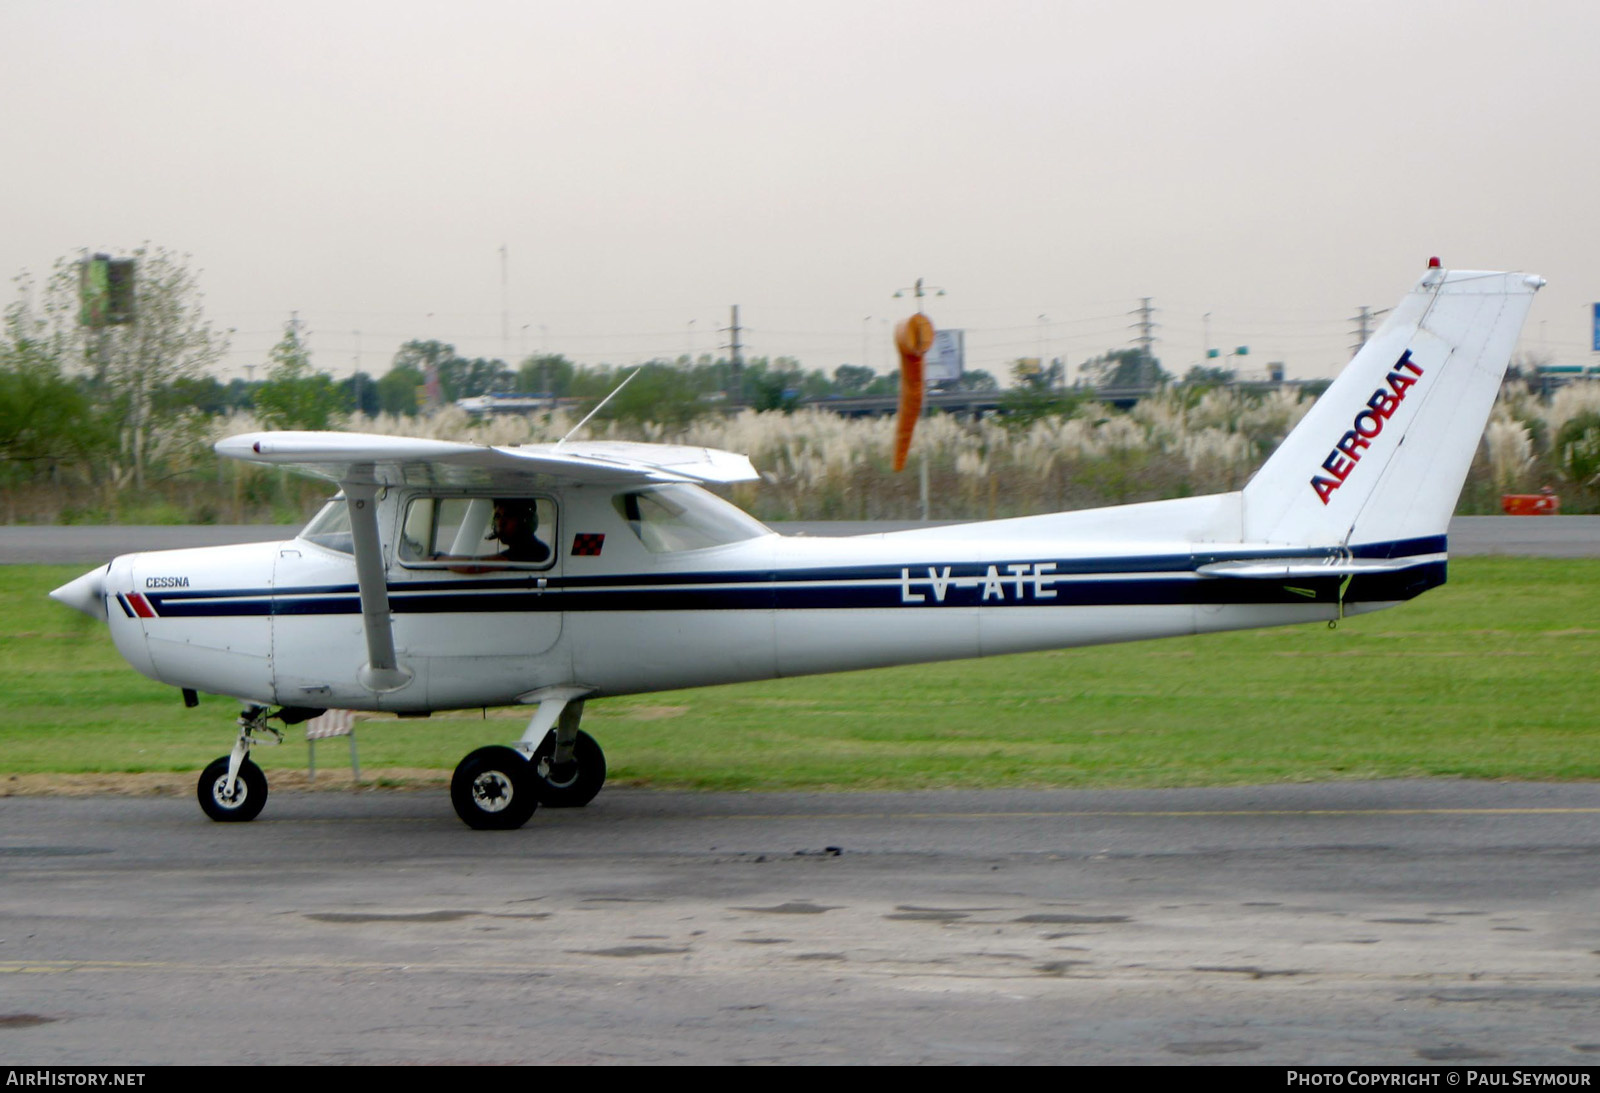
pixel 1383 454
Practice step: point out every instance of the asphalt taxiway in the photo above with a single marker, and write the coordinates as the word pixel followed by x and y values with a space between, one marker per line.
pixel 1396 922
pixel 1400 922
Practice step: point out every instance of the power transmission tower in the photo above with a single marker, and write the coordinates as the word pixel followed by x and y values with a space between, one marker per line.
pixel 736 358
pixel 1146 340
pixel 1363 320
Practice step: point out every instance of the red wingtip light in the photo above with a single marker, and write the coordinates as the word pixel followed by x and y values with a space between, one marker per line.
pixel 256 447
pixel 1433 263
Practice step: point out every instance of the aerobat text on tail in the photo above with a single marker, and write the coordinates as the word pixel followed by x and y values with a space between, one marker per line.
pixel 448 576
pixel 1383 454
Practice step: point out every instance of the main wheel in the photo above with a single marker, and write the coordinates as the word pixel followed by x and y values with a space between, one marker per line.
pixel 494 789
pixel 572 784
pixel 249 794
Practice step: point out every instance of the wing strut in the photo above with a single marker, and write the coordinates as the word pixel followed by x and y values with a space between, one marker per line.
pixel 382 671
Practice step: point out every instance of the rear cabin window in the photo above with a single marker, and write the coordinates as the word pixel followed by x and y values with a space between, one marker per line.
pixel 504 532
pixel 684 517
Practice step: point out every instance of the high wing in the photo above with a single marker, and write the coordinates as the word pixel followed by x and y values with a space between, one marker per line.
pixel 362 464
pixel 361 458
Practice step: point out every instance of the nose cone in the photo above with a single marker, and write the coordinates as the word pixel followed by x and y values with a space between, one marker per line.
pixel 87 593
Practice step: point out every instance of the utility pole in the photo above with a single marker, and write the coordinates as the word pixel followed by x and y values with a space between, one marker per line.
pixel 1363 320
pixel 505 305
pixel 1146 339
pixel 736 356
pixel 918 291
pixel 355 371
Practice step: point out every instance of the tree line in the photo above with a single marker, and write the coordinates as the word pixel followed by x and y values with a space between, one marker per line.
pixel 91 417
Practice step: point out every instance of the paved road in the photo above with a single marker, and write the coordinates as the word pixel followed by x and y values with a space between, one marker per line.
pixel 1544 536
pixel 1400 922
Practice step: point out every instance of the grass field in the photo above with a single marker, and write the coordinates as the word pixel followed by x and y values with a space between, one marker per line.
pixel 1492 676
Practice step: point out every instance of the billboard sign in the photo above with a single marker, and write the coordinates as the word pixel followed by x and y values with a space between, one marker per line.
pixel 948 358
pixel 105 291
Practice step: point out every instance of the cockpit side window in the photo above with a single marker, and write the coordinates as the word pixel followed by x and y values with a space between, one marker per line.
pixel 466 533
pixel 331 527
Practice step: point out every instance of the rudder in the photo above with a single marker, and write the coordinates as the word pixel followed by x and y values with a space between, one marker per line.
pixel 1383 454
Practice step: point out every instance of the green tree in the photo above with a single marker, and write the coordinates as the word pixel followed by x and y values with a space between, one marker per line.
pixel 397 391
pixel 359 395
pixel 976 379
pixel 885 385
pixel 852 379
pixel 660 392
pixel 1126 368
pixel 461 378
pixel 456 376
pixel 202 393
pixel 1207 376
pixel 773 384
pixel 1035 394
pixel 1028 374
pixel 127 365
pixel 293 396
pixel 1578 448
pixel 43 415
pixel 428 359
pixel 547 374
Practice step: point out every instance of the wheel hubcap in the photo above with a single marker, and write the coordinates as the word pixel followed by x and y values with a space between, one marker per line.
pixel 225 799
pixel 491 790
pixel 560 776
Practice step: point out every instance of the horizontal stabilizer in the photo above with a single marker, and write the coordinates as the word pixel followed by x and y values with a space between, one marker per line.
pixel 1266 569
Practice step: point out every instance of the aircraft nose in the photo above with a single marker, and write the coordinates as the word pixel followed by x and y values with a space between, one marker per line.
pixel 86 593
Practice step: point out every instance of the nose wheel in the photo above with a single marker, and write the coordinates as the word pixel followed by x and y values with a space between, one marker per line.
pixel 242 802
pixel 233 789
pixel 494 789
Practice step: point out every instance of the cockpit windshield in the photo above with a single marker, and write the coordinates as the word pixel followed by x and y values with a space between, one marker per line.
pixel 684 517
pixel 331 527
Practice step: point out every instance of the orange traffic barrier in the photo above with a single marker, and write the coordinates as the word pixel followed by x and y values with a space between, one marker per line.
pixel 1530 504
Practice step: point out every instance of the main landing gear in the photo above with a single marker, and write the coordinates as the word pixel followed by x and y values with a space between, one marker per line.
pixel 555 764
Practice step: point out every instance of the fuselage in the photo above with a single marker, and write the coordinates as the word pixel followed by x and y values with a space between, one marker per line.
pixel 700 594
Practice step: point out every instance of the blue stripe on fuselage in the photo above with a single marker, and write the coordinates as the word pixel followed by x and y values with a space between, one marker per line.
pixel 1155 579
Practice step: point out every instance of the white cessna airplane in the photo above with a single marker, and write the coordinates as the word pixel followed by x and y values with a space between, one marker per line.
pixel 450 576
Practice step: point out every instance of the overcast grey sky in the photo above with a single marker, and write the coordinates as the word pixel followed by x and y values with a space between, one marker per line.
pixel 648 164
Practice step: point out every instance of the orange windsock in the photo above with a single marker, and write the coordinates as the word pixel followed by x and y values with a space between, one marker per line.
pixel 913 338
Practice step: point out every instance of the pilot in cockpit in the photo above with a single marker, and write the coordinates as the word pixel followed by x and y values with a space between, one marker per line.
pixel 515 526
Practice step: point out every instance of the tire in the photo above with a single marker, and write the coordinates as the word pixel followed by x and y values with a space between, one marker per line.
pixel 249 792
pixel 494 789
pixel 576 783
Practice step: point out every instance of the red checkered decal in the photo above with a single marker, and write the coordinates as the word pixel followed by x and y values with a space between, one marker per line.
pixel 588 544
